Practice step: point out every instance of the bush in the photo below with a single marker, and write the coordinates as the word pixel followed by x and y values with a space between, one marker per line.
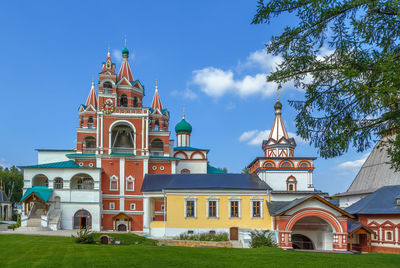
pixel 85 236
pixel 262 239
pixel 203 237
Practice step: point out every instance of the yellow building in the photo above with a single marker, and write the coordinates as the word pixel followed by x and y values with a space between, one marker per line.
pixel 231 203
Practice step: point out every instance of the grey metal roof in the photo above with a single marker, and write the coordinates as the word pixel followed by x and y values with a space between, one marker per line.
pixel 352 225
pixel 3 197
pixel 375 172
pixel 382 201
pixel 159 182
pixel 276 207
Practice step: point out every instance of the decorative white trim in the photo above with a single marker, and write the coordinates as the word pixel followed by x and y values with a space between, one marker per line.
pixel 111 205
pixel 195 207
pixel 132 206
pixel 216 199
pixel 232 199
pixel 114 178
pixel 128 180
pixel 257 199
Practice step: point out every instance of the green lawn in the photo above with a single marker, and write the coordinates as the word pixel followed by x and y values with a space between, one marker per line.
pixel 42 251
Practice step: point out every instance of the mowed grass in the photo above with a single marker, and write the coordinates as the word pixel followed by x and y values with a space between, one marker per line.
pixel 46 251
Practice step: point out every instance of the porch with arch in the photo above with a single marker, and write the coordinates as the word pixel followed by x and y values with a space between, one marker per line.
pixel 310 223
pixel 122 222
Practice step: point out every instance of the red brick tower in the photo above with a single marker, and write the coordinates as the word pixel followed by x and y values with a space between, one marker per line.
pixel 125 139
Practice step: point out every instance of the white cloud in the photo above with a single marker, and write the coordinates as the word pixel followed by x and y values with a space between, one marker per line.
pixel 117 55
pixel 354 165
pixel 216 82
pixel 4 163
pixel 255 137
pixel 189 94
pixel 230 106
pixel 262 59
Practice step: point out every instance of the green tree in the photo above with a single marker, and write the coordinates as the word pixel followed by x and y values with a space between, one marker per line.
pixel 351 92
pixel 13 182
pixel 245 170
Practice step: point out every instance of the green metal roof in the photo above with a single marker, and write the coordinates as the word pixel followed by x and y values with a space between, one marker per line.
pixel 128 154
pixel 64 164
pixel 125 51
pixel 43 192
pixel 214 170
pixel 183 127
pixel 79 155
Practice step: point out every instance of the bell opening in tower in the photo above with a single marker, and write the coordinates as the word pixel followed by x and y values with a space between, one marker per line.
pixel 122 139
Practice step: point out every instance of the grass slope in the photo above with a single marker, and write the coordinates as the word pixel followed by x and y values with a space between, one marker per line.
pixel 46 251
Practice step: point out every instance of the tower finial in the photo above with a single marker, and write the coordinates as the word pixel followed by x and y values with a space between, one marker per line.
pixel 183 114
pixel 156 85
pixel 279 87
pixel 125 41
pixel 108 51
pixel 1 184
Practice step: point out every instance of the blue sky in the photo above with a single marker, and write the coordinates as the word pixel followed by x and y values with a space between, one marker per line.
pixel 205 54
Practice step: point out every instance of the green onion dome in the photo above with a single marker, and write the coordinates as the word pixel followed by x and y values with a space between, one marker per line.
pixel 125 51
pixel 278 105
pixel 183 127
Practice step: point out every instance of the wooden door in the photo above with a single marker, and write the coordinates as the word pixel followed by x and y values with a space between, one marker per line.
pixel 234 233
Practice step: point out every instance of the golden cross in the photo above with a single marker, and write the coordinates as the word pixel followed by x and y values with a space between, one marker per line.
pixel 125 41
pixel 183 115
pixel 279 87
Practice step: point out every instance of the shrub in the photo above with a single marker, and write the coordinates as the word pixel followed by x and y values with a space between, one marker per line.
pixel 203 237
pixel 85 236
pixel 263 238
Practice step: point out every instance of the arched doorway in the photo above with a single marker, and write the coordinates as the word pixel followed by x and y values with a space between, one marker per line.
pixel 312 232
pixel 82 219
pixel 40 180
pixel 300 241
pixel 122 228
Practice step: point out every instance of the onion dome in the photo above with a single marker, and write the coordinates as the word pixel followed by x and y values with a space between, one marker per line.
pixel 125 51
pixel 278 105
pixel 183 127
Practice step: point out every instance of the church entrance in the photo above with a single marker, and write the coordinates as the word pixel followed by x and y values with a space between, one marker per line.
pixel 82 219
pixel 300 241
pixel 312 233
pixel 122 228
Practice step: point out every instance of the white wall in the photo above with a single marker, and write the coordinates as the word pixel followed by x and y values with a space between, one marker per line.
pixel 346 201
pixel 69 210
pixel 277 179
pixel 45 157
pixel 195 167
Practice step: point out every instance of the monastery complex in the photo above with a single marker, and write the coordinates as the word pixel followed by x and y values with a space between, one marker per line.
pixel 132 171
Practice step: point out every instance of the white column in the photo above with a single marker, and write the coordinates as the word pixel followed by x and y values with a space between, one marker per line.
pixel 146 214
pixel 173 167
pixel 147 135
pixel 101 135
pixel 142 134
pixel 122 183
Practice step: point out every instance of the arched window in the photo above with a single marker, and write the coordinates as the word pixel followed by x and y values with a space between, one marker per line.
pixel 82 122
pixel 107 87
pixel 157 147
pixel 130 183
pixel 40 180
pixel 89 144
pixel 82 182
pixel 157 125
pixel 291 184
pixel 304 164
pixel 114 183
pixel 90 122
pixel 122 139
pixel 269 164
pixel 135 102
pixel 58 183
pixel 185 171
pixel 285 164
pixel 82 219
pixel 123 101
